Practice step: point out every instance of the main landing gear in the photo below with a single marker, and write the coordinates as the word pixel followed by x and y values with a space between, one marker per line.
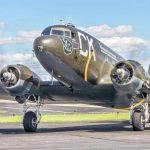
pixel 31 114
pixel 139 115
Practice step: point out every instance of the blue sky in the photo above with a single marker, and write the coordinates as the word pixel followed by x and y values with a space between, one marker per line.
pixel 37 14
pixel 21 21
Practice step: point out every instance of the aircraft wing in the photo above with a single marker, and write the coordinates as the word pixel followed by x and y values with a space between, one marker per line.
pixel 20 82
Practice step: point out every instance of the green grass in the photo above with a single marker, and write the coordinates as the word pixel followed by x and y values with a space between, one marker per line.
pixel 71 118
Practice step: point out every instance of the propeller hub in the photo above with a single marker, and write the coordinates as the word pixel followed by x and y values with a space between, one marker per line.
pixel 122 74
pixel 9 77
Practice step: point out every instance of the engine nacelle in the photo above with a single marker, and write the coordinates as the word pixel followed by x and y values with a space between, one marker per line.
pixel 128 76
pixel 19 80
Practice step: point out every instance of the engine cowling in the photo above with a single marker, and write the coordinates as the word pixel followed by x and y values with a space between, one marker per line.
pixel 19 80
pixel 128 76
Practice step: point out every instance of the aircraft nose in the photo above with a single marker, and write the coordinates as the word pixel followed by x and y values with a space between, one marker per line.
pixel 40 43
pixel 47 44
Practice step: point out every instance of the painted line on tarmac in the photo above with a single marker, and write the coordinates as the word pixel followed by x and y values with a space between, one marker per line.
pixel 8 101
pixel 43 110
pixel 65 105
pixel 77 105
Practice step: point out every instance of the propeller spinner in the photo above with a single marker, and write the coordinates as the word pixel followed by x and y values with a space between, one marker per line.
pixel 9 76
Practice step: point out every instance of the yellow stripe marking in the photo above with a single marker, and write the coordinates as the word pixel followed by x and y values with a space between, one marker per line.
pixel 87 66
pixel 131 107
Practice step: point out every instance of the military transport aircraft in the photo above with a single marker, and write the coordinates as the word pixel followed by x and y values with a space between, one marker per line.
pixel 86 69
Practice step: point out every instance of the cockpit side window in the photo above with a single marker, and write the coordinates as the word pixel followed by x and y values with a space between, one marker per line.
pixel 73 35
pixel 67 33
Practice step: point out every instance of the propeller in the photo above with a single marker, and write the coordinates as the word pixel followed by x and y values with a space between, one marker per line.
pixel 122 73
pixel 9 76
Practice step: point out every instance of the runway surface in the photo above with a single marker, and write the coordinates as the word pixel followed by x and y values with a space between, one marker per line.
pixel 75 136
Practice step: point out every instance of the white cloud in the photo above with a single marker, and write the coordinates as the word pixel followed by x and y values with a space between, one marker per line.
pixel 2 24
pixel 21 37
pixel 26 59
pixel 125 43
pixel 133 48
pixel 28 35
pixel 107 31
pixel 16 57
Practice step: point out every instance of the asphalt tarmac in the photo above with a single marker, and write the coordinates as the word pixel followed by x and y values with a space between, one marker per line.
pixel 115 135
pixel 75 136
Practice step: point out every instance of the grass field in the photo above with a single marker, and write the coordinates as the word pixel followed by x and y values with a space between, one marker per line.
pixel 71 118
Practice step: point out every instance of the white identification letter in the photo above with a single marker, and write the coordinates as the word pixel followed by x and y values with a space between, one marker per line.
pixel 91 47
pixel 82 52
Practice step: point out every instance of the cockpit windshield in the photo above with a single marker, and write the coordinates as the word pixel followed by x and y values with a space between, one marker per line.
pixel 60 32
pixel 46 31
pixel 57 31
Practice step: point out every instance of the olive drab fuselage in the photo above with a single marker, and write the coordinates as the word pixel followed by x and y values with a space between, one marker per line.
pixel 79 53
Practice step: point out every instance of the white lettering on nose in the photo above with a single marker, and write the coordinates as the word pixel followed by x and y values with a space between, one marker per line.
pixel 91 47
pixel 86 53
pixel 82 52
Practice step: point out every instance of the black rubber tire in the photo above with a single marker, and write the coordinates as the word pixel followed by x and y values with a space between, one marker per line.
pixel 137 123
pixel 29 122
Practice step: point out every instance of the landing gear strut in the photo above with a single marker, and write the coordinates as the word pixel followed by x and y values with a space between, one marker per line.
pixel 31 119
pixel 139 115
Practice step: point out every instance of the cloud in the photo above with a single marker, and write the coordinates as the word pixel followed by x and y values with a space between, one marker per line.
pixel 108 31
pixel 134 48
pixel 15 57
pixel 125 43
pixel 28 35
pixel 2 24
pixel 26 59
pixel 21 37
